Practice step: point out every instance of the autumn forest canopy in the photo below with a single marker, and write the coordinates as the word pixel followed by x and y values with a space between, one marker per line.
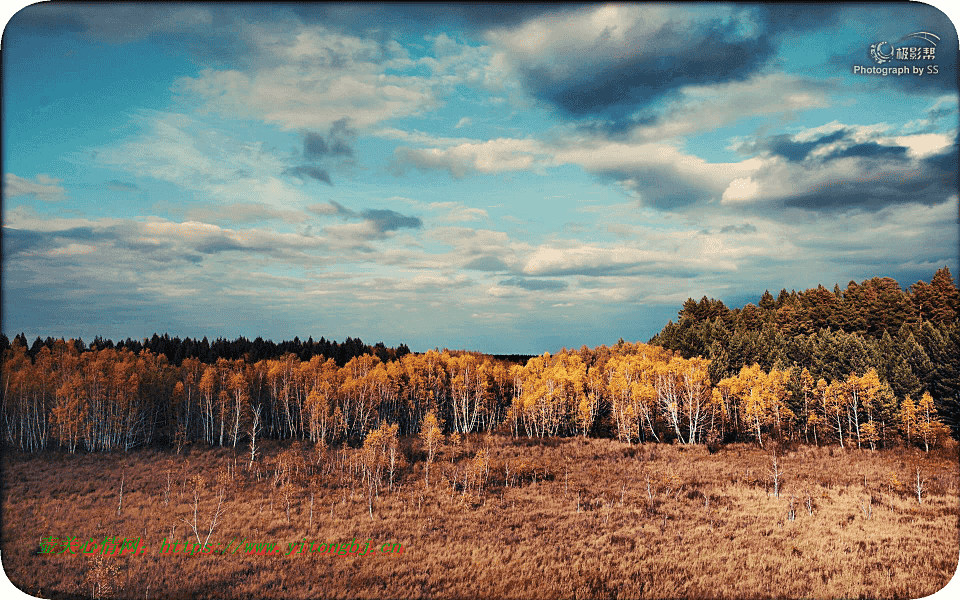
pixel 871 365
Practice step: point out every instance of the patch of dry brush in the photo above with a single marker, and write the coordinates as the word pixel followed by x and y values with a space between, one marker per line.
pixel 553 518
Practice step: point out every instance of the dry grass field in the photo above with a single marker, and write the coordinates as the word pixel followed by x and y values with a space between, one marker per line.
pixel 557 518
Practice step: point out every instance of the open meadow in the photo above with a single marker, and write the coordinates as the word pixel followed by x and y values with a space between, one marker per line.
pixel 501 517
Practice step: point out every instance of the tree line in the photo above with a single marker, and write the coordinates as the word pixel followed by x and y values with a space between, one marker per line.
pixel 754 383
pixel 910 337
pixel 176 349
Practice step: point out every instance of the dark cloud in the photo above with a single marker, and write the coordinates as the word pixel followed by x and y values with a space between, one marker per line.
pixel 401 17
pixel 388 220
pixel 929 185
pixel 316 148
pixel 80 234
pixel 382 219
pixel 535 285
pixel 341 128
pixel 884 174
pixel 207 31
pixel 794 151
pixel 871 150
pixel 714 54
pixel 19 241
pixel 615 87
pixel 314 145
pixel 311 171
pixel 662 187
pixel 943 167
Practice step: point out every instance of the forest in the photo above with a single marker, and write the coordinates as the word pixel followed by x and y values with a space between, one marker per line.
pixel 871 365
pixel 798 448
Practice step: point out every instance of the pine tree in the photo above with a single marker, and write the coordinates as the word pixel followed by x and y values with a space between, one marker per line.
pixel 895 370
pixel 915 357
pixel 767 302
pixel 940 300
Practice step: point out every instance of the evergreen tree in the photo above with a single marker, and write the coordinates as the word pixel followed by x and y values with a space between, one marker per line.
pixel 819 309
pixel 895 370
pixel 913 354
pixel 939 301
pixel 767 302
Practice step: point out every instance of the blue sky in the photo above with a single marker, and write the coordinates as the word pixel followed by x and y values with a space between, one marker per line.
pixel 509 179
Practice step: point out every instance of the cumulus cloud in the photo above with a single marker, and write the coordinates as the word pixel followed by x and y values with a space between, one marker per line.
pixel 616 64
pixel 493 156
pixel 310 77
pixel 658 174
pixel 848 168
pixel 43 187
pixel 696 107
pixel 742 189
pixel 612 59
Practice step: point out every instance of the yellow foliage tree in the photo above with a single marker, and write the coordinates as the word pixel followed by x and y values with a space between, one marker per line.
pixel 929 426
pixel 908 418
pixel 432 437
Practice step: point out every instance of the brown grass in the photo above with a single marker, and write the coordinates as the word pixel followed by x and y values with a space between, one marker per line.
pixel 575 518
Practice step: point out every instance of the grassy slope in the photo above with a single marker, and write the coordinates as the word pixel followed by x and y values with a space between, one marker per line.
pixel 609 520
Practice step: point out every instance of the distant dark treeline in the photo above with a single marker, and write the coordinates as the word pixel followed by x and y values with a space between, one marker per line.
pixel 911 337
pixel 520 359
pixel 176 349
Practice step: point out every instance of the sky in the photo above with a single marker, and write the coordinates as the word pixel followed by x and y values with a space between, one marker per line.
pixel 508 179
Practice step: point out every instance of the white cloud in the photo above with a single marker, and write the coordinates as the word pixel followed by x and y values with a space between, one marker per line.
pixel 743 189
pixel 43 187
pixel 925 144
pixel 196 156
pixel 700 108
pixel 589 259
pixel 311 77
pixel 455 212
pixel 493 156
